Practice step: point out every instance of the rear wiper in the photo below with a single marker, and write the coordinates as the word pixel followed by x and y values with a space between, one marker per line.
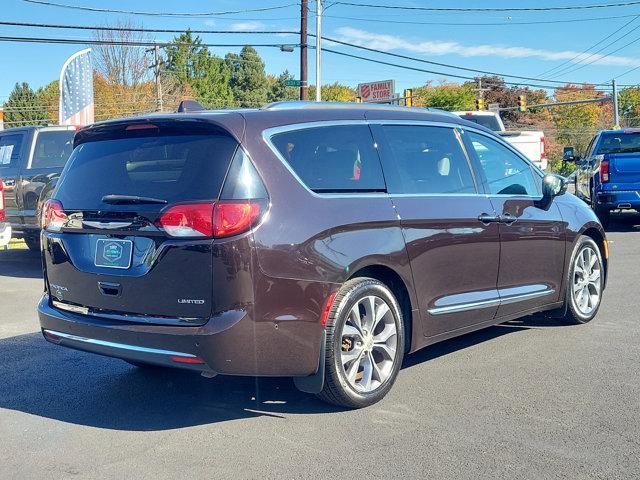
pixel 130 200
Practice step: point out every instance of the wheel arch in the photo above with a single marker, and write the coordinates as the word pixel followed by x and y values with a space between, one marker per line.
pixel 394 281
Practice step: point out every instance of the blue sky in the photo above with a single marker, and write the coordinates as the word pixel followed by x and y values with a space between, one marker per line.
pixel 526 50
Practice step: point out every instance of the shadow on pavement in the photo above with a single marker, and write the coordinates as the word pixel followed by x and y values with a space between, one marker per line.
pixel 76 387
pixel 21 263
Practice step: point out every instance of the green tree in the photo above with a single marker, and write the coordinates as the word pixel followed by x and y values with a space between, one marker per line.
pixel 249 82
pixel 23 107
pixel 629 106
pixel 190 63
pixel 278 91
pixel 446 97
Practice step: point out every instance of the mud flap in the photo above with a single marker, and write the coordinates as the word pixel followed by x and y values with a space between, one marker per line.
pixel 314 383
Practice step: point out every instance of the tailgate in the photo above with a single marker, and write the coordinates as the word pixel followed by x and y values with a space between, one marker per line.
pixel 624 170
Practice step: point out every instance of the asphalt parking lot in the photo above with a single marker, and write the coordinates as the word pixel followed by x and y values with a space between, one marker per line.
pixel 527 399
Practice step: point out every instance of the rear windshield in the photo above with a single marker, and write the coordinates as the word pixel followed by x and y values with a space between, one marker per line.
pixel 619 143
pixel 52 149
pixel 488 121
pixel 173 168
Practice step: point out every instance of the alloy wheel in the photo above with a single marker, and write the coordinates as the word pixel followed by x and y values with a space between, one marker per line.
pixel 586 281
pixel 369 344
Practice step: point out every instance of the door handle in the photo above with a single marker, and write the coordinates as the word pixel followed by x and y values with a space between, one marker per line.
pixel 487 218
pixel 508 218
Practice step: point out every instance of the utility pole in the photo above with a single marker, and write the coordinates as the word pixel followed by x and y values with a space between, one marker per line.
pixel 304 84
pixel 318 49
pixel 156 69
pixel 616 116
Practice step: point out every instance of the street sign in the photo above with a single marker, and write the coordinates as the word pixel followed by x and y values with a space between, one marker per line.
pixel 292 83
pixel 494 107
pixel 377 91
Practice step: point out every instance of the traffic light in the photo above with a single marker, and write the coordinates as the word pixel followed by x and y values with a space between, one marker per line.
pixel 408 97
pixel 479 104
pixel 358 99
pixel 522 103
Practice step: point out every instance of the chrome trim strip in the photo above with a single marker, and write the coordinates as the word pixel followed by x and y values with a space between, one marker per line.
pixel 107 225
pixel 70 308
pixel 120 346
pixel 463 307
pixel 525 296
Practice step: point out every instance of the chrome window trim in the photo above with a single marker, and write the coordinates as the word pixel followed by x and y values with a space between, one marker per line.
pixel 463 307
pixel 268 133
pixel 120 346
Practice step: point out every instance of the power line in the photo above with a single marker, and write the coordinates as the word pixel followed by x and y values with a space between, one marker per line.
pixel 485 72
pixel 559 67
pixel 130 43
pixel 407 67
pixel 157 14
pixel 480 24
pixel 141 29
pixel 159 30
pixel 486 9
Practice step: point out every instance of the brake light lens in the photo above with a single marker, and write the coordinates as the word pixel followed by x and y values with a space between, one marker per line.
pixel 232 218
pixel 210 220
pixel 2 217
pixel 604 170
pixel 53 216
pixel 190 220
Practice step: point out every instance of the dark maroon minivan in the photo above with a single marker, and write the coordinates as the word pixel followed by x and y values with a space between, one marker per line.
pixel 317 241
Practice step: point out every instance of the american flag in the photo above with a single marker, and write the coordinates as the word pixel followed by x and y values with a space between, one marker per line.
pixel 76 90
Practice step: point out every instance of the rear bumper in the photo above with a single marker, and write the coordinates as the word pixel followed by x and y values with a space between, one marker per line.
pixel 622 199
pixel 230 343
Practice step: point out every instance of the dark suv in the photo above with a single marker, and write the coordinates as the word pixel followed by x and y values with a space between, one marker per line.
pixel 317 241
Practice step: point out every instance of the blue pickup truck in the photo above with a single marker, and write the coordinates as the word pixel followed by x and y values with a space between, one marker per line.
pixel 608 177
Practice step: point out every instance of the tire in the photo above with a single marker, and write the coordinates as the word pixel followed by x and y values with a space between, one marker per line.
pixel 345 382
pixel 33 243
pixel 577 311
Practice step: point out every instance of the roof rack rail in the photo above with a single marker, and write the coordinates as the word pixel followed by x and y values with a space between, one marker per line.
pixel 190 106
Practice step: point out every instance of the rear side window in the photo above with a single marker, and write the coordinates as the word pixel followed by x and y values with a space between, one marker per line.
pixel 174 168
pixel 333 159
pixel 52 149
pixel 426 159
pixel 10 146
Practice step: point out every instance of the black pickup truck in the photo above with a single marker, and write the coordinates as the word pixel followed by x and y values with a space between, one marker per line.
pixel 31 159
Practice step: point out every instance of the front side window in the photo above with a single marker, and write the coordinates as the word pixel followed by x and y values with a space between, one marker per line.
pixel 333 159
pixel 506 173
pixel 426 160
pixel 10 146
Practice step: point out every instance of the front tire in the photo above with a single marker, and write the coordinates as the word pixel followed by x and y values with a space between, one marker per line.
pixel 585 281
pixel 365 344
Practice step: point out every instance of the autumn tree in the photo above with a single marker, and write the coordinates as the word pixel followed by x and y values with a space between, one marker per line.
pixel 449 96
pixel 334 92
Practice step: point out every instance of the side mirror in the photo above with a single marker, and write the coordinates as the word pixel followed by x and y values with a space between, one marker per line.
pixel 568 154
pixel 552 187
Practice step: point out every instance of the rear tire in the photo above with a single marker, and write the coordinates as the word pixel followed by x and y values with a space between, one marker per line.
pixel 365 344
pixel 584 282
pixel 33 243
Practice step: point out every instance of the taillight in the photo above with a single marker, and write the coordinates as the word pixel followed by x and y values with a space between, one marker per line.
pixel 604 170
pixel 53 216
pixel 190 220
pixel 2 217
pixel 232 218
pixel 221 219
